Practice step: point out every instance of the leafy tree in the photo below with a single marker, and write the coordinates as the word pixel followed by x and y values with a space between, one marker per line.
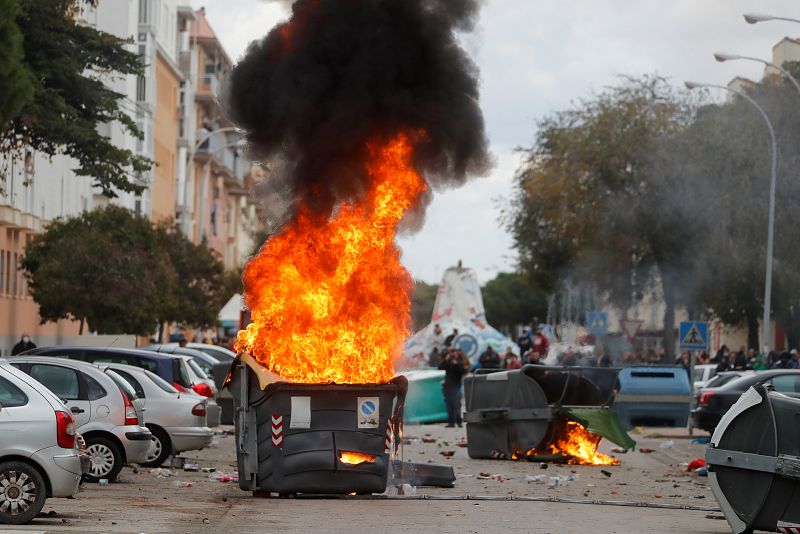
pixel 103 268
pixel 195 287
pixel 16 86
pixel 422 302
pixel 509 299
pixel 68 62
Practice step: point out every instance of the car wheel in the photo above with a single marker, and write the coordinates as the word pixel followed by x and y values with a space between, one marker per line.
pixel 22 493
pixel 160 449
pixel 105 459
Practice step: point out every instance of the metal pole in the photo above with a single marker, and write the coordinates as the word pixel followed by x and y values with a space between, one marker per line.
pixel 771 216
pixel 785 72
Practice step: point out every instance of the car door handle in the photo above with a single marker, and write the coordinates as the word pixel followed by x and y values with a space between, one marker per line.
pixel 75 409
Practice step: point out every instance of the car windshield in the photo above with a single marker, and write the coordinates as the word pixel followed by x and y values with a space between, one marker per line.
pixel 196 368
pixel 721 380
pixel 123 384
pixel 160 382
pixel 220 355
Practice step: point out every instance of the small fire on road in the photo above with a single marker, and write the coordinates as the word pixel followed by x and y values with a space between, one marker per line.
pixel 573 444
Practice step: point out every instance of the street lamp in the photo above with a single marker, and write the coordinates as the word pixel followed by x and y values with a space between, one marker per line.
pixel 721 57
pixel 771 217
pixel 753 18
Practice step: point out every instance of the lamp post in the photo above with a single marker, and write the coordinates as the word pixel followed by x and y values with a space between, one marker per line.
pixel 771 217
pixel 754 18
pixel 721 57
pixel 190 171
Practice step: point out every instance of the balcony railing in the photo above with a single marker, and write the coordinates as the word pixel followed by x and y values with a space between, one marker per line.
pixel 207 86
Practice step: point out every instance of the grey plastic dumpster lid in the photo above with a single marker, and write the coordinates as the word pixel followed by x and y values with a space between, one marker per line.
pixel 754 461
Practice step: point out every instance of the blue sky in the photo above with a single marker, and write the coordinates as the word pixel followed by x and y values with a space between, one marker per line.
pixel 537 57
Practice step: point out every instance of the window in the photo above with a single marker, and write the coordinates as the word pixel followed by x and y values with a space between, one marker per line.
pixel 10 395
pixel 2 271
pixel 141 86
pixel 137 387
pixel 93 390
pixel 16 274
pixel 787 383
pixel 160 382
pixel 199 370
pixel 146 363
pixel 144 15
pixel 124 384
pixel 60 380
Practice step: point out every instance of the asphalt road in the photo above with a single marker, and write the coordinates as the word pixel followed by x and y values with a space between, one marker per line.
pixel 146 501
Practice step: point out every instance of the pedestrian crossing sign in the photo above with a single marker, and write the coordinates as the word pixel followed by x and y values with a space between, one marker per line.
pixel 597 322
pixel 693 335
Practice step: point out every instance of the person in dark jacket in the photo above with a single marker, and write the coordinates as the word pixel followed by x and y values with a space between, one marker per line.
pixel 24 344
pixel 489 359
pixel 454 365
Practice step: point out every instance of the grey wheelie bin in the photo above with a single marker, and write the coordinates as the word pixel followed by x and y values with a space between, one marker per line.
pixel 313 438
pixel 754 462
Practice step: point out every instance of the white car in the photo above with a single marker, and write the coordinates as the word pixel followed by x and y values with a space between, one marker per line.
pixel 203 386
pixel 702 374
pixel 107 418
pixel 38 453
pixel 176 420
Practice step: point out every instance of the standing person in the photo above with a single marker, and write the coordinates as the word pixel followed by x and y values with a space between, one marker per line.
pixel 435 357
pixel 448 341
pixel 740 360
pixel 510 360
pixel 489 359
pixel 540 344
pixel 24 344
pixel 524 341
pixel 454 371
pixel 723 364
pixel 438 336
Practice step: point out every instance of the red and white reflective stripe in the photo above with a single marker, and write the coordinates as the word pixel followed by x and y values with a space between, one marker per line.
pixel 387 446
pixel 791 528
pixel 277 429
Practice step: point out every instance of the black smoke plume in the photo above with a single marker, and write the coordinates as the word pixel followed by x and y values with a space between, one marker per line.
pixel 341 73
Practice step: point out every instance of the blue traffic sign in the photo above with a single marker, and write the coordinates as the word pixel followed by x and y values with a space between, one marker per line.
pixel 693 335
pixel 597 322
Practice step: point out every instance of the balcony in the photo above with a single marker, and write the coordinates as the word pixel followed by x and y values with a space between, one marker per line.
pixel 207 88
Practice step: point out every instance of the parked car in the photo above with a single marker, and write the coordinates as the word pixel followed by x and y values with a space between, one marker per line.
pixel 177 421
pixel 702 374
pixel 204 360
pixel 716 399
pixel 38 453
pixel 204 387
pixel 220 353
pixel 110 423
pixel 173 370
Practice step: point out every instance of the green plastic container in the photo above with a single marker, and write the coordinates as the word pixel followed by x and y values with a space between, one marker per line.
pixel 424 400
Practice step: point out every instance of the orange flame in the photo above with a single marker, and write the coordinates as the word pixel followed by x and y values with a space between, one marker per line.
pixel 577 445
pixel 329 299
pixel 355 458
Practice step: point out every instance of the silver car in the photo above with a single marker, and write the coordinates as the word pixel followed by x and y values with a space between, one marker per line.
pixel 38 453
pixel 104 414
pixel 177 420
pixel 204 387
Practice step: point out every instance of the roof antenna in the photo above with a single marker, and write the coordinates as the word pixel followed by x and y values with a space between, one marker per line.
pixel 460 268
pixel 109 345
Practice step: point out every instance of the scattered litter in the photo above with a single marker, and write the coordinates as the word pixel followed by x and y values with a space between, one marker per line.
pixel 590 485
pixel 543 465
pixel 182 484
pixel 702 471
pixel 712 516
pixel 695 464
pixel 613 491
pixel 645 450
pixel 539 479
pixel 103 482
pixel 606 473
pixel 637 430
pixel 499 478
pixel 699 496
pixel 224 477
pixel 702 440
pixel 191 467
pixel 658 495
pixel 461 442
pixel 205 521
pixel 553 482
pixel 447 454
pixel 484 476
pixel 667 445
pixel 428 439
pixel 208 469
pixel 410 440
pixel 135 470
pixel 161 472
pixel 619 450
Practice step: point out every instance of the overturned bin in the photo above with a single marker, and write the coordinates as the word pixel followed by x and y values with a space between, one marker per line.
pixel 312 438
pixel 518 412
pixel 754 462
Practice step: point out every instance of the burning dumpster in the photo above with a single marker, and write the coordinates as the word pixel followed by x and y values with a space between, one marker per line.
pixel 313 438
pixel 754 462
pixel 543 413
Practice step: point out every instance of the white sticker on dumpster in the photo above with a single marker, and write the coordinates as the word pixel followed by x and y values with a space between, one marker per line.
pixel 368 412
pixel 301 413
